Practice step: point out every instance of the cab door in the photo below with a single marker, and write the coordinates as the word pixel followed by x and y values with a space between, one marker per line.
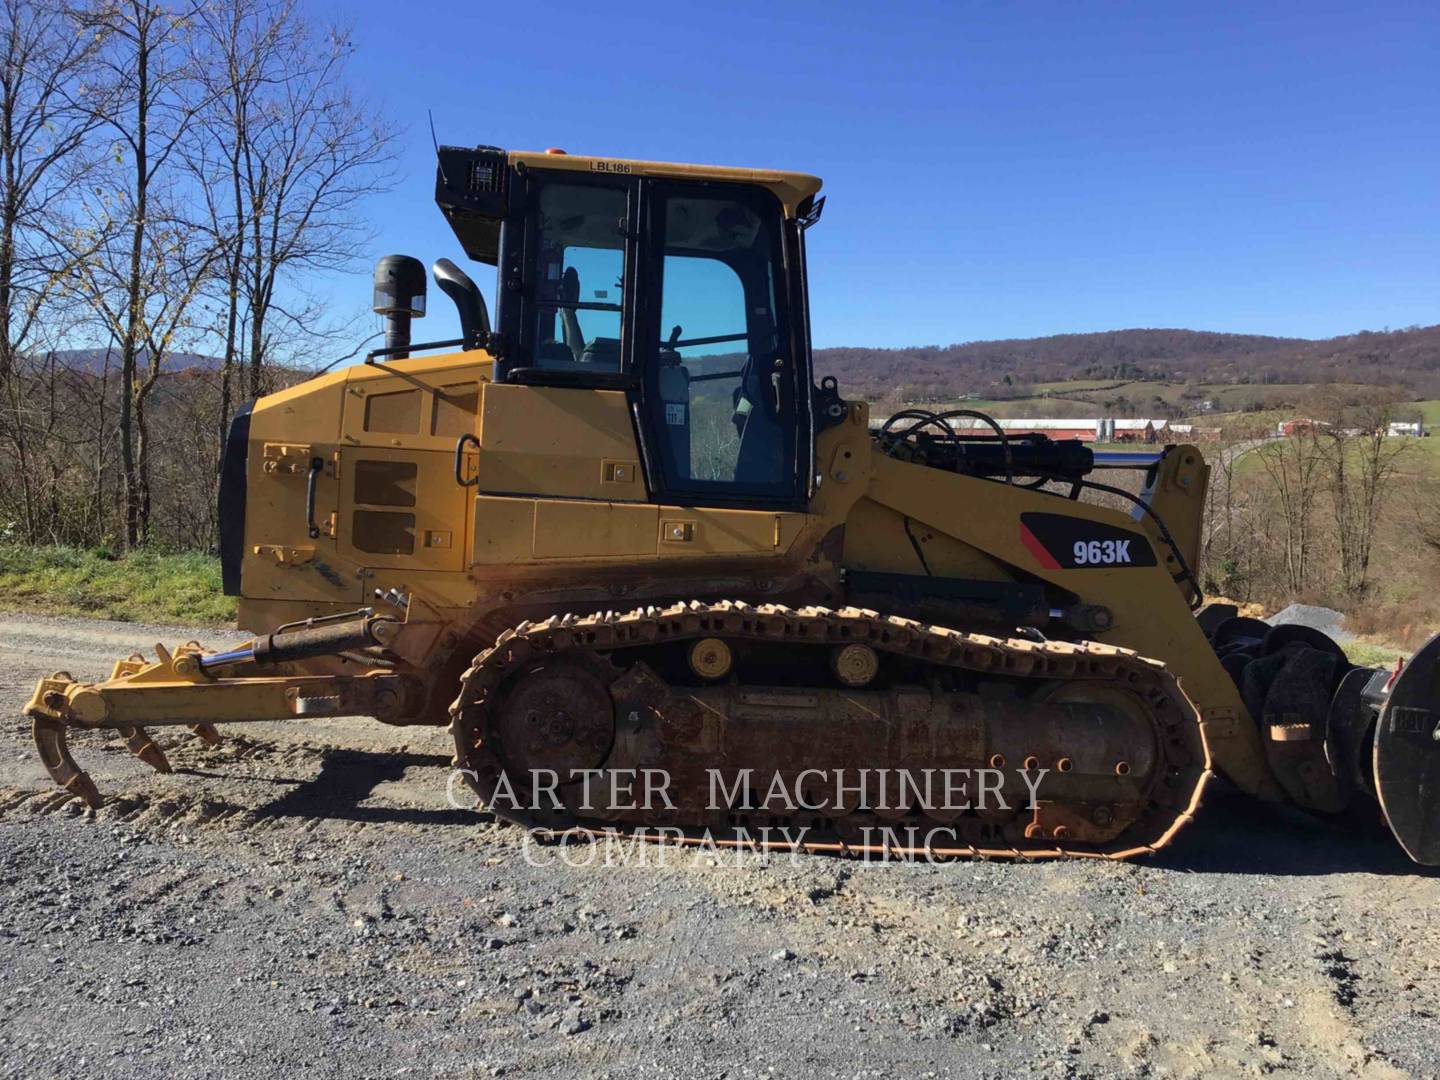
pixel 723 375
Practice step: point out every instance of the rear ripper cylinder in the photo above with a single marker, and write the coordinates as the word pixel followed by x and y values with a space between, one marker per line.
pixel 319 639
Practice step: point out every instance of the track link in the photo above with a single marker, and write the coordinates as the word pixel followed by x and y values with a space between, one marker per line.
pixel 1169 801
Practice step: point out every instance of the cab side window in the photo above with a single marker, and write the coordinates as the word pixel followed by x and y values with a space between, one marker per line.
pixel 721 406
pixel 580 243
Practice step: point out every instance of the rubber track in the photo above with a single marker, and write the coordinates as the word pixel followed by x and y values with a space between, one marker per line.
pixel 1174 795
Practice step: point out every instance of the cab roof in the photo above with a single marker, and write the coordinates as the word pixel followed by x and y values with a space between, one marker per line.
pixel 791 188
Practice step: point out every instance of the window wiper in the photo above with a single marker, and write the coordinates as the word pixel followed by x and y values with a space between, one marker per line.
pixel 707 340
pixel 577 305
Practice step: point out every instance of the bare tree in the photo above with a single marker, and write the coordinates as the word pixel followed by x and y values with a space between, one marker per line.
pixel 293 152
pixel 241 39
pixel 149 262
pixel 44 122
pixel 1228 540
pixel 223 159
pixel 1293 467
pixel 1360 460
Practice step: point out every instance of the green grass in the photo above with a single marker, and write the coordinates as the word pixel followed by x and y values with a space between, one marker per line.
pixel 1419 459
pixel 1430 410
pixel 1422 458
pixel 141 587
pixel 1368 654
pixel 1264 418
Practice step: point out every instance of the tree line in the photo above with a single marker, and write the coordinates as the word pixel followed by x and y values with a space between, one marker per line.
pixel 171 174
pixel 1337 512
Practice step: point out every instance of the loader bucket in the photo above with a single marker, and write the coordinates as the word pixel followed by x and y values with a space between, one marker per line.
pixel 1407 756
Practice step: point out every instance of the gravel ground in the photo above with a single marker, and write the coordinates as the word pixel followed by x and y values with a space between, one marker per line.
pixel 305 900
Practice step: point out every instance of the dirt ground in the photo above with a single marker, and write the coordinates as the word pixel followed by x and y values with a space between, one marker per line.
pixel 306 900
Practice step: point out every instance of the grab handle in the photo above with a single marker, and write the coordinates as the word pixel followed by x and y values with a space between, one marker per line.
pixel 460 460
pixel 316 465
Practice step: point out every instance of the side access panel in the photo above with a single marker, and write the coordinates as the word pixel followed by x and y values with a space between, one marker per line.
pixel 511 530
pixel 399 506
pixel 558 442
pixel 401 509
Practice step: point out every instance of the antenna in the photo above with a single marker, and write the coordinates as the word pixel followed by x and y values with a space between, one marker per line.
pixel 439 161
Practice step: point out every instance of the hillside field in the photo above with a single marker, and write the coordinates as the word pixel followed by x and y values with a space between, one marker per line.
pixel 1263 367
pixel 1164 399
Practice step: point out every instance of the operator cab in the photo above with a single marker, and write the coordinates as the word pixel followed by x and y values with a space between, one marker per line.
pixel 682 286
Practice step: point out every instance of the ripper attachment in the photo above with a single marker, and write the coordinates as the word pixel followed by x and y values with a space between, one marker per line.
pixel 198 689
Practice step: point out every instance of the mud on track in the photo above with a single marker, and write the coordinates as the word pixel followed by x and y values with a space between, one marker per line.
pixel 305 898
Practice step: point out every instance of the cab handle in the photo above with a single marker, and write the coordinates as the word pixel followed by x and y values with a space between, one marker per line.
pixel 460 459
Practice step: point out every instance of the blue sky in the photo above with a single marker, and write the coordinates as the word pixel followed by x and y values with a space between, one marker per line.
pixel 993 170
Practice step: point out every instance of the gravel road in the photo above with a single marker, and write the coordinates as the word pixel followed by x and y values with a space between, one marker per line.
pixel 304 900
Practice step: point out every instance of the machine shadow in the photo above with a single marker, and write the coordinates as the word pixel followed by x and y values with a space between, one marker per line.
pixel 1236 834
pixel 347 777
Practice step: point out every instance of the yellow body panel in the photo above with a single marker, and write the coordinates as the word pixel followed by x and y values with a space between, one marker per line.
pixel 400 508
pixel 504 530
pixel 594 530
pixel 710 531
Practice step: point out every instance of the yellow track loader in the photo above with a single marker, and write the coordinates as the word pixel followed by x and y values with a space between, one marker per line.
pixel 622 542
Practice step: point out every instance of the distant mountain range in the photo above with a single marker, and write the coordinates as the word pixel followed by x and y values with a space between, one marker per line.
pixel 96 361
pixel 1408 358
